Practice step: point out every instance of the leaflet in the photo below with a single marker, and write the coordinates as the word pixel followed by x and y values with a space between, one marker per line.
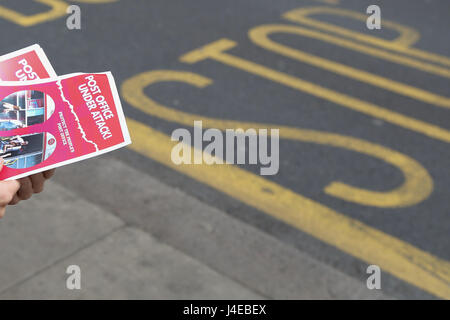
pixel 29 63
pixel 49 122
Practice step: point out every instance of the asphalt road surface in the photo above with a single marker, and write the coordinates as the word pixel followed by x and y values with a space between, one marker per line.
pixel 363 116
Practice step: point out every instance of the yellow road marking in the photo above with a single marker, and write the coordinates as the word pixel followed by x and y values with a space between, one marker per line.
pixel 382 54
pixel 407 35
pixel 351 236
pixel 215 51
pixel 260 36
pixel 416 187
pixel 57 10
pixel 329 1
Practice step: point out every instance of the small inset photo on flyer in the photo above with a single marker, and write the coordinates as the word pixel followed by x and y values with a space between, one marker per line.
pixel 24 109
pixel 26 151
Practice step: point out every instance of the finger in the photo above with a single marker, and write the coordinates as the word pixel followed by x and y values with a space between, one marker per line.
pixel 15 200
pixel 2 212
pixel 12 185
pixel 37 182
pixel 26 189
pixel 9 189
pixel 49 173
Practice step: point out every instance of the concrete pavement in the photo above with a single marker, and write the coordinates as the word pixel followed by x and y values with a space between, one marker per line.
pixel 159 243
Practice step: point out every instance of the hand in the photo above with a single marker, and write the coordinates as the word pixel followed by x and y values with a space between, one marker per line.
pixel 7 191
pixel 30 185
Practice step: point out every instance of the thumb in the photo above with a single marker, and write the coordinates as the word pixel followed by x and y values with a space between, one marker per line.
pixel 12 184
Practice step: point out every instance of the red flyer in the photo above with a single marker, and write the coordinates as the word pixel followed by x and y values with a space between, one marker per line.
pixel 29 63
pixel 47 123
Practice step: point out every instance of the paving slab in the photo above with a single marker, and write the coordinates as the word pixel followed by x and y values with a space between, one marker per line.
pixel 47 228
pixel 130 264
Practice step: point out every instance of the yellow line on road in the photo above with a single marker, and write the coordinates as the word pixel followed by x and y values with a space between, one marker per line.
pixel 417 185
pixel 57 10
pixel 215 50
pixel 260 36
pixel 329 1
pixel 408 36
pixel 383 54
pixel 351 236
